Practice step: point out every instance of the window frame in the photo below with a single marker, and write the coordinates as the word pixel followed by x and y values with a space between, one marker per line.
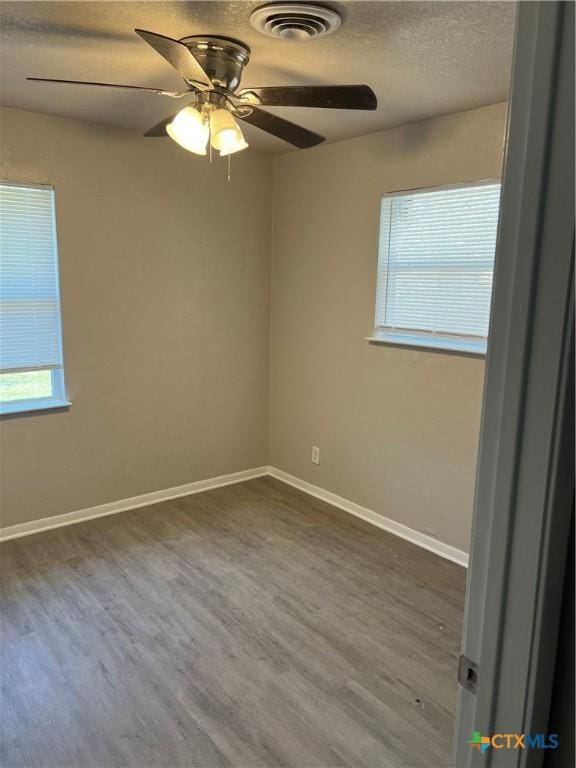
pixel 58 400
pixel 433 341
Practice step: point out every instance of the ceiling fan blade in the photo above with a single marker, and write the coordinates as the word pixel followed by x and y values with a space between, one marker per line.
pixel 283 129
pixel 158 91
pixel 179 56
pixel 323 96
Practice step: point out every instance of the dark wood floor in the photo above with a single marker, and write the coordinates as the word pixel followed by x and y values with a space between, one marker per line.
pixel 247 626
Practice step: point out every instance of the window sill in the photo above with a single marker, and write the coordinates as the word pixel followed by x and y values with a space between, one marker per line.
pixel 33 406
pixel 429 343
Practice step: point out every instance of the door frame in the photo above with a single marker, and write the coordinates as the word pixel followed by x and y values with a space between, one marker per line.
pixel 525 479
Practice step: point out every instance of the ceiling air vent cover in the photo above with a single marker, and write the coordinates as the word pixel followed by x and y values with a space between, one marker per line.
pixel 295 21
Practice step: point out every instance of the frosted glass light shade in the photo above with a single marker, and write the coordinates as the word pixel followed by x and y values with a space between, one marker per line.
pixel 225 133
pixel 236 148
pixel 189 130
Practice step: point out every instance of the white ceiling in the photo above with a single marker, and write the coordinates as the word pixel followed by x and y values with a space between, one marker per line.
pixel 421 58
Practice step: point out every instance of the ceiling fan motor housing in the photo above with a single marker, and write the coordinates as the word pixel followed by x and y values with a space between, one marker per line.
pixel 222 58
pixel 295 21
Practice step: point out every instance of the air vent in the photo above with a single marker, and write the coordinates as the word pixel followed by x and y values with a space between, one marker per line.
pixel 295 21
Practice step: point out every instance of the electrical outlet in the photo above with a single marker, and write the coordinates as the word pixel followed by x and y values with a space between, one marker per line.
pixel 315 455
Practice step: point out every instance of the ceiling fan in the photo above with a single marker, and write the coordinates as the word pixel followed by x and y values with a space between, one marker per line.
pixel 211 67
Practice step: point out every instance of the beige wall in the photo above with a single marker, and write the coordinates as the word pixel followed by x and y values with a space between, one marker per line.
pixel 397 428
pixel 165 289
pixel 165 293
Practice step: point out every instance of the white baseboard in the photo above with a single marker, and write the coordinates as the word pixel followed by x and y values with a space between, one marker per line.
pixel 123 505
pixel 145 499
pixel 403 531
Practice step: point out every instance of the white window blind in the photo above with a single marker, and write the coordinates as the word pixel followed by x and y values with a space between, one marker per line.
pixel 30 333
pixel 435 266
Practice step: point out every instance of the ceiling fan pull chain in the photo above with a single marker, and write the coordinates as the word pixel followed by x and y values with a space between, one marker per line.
pixel 229 174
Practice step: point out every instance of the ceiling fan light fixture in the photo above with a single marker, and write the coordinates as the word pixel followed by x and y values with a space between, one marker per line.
pixel 225 133
pixel 190 130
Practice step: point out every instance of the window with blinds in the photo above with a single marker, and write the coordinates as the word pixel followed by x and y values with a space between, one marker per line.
pixel 435 267
pixel 31 366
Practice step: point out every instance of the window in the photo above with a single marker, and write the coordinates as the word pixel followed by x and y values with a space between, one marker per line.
pixel 31 372
pixel 435 267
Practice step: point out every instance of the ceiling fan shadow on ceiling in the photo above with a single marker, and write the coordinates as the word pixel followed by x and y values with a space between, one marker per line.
pixel 212 67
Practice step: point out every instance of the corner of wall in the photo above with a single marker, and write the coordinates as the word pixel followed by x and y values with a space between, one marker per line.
pixel 270 270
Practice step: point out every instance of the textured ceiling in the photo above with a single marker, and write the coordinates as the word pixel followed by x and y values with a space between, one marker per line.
pixel 421 58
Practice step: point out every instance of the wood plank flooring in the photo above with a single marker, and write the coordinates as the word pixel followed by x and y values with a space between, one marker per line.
pixel 250 625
